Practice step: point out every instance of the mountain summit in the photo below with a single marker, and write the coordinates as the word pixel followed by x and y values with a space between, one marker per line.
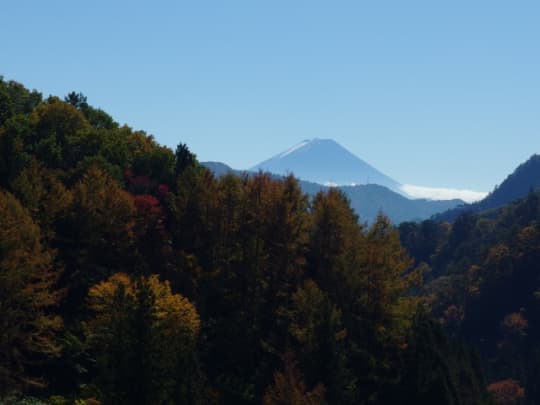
pixel 324 161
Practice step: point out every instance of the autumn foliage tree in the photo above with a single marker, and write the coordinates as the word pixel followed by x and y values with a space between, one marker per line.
pixel 97 234
pixel 27 335
pixel 145 337
pixel 506 392
pixel 179 286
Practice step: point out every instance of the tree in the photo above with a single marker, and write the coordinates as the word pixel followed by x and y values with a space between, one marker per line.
pixel 13 154
pixel 319 340
pixel 145 338
pixel 334 246
pixel 183 158
pixel 97 236
pixel 77 100
pixel 506 392
pixel 16 99
pixel 386 300
pixel 27 336
pixel 290 389
pixel 103 214
pixel 382 307
pixel 58 130
pixel 97 118
pixel 436 370
pixel 152 247
pixel 44 195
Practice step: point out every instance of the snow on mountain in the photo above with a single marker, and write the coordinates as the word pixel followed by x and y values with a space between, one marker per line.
pixel 324 161
pixel 295 147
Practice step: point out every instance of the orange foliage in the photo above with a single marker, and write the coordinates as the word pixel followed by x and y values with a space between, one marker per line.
pixel 515 323
pixel 506 392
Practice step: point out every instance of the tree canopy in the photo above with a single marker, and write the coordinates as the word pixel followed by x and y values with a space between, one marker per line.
pixel 129 274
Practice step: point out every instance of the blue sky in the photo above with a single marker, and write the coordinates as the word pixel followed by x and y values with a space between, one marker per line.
pixel 432 93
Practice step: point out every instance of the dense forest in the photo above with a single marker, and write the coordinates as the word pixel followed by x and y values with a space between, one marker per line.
pixel 482 279
pixel 130 274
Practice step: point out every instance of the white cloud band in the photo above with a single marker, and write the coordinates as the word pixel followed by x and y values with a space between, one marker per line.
pixel 434 193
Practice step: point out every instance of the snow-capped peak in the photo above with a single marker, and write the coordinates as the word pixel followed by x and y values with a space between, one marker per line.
pixel 295 147
pixel 322 161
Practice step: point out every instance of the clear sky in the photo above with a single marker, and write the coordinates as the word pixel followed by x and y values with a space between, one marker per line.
pixel 431 93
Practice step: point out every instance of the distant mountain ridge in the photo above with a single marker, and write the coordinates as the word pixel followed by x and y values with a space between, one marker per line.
pixel 525 178
pixel 219 169
pixel 324 161
pixel 367 200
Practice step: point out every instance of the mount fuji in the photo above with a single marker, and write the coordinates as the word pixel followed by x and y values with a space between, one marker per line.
pixel 324 161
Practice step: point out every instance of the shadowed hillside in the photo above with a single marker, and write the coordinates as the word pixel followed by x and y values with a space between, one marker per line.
pixel 517 185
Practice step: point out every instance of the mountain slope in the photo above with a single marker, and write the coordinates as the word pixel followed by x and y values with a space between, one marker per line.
pixel 517 185
pixel 483 283
pixel 367 200
pixel 324 161
pixel 219 169
pixel 371 199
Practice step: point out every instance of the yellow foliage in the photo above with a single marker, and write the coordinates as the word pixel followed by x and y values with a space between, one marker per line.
pixel 101 296
pixel 28 329
pixel 104 212
pixel 515 323
pixel 43 194
pixel 173 309
pixel 173 312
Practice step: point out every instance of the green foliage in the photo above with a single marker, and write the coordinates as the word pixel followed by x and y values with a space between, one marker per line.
pixel 183 158
pixel 14 155
pixel 97 118
pixel 16 99
pixel 438 371
pixel 57 131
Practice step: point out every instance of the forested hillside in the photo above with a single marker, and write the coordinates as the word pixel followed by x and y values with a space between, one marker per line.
pixel 517 185
pixel 483 283
pixel 129 274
